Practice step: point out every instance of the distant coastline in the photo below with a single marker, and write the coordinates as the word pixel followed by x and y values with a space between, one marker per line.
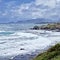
pixel 52 26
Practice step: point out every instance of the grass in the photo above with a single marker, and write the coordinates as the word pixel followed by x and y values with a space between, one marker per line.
pixel 51 54
pixel 56 58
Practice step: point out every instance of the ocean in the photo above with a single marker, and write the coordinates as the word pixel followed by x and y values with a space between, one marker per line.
pixel 17 41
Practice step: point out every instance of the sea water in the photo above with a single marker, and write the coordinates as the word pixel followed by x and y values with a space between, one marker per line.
pixel 16 40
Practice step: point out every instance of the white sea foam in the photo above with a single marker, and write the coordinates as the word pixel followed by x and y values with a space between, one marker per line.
pixel 10 45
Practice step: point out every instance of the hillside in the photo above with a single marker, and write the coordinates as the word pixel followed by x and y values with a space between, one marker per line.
pixel 51 54
pixel 37 21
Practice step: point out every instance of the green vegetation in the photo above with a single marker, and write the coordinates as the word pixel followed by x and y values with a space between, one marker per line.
pixel 51 54
pixel 51 26
pixel 54 26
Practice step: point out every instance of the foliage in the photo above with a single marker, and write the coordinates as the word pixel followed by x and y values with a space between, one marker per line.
pixel 51 54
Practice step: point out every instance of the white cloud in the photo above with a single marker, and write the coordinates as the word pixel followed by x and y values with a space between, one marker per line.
pixel 36 9
pixel 50 3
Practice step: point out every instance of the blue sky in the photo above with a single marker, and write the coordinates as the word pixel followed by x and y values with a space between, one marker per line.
pixel 7 5
pixel 15 10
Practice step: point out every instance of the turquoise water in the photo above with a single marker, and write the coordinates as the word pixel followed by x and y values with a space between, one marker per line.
pixel 6 33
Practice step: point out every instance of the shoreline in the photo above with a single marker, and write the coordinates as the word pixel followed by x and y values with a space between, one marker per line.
pixel 29 55
pixel 52 27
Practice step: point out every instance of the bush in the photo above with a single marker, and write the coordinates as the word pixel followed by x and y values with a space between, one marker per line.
pixel 55 48
pixel 50 53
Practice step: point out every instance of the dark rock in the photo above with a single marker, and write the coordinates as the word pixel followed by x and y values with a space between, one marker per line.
pixel 22 49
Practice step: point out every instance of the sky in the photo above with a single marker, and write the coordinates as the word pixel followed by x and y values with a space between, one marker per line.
pixel 15 10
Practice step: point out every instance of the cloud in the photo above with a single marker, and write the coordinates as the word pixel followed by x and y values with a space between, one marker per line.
pixel 36 9
pixel 50 3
